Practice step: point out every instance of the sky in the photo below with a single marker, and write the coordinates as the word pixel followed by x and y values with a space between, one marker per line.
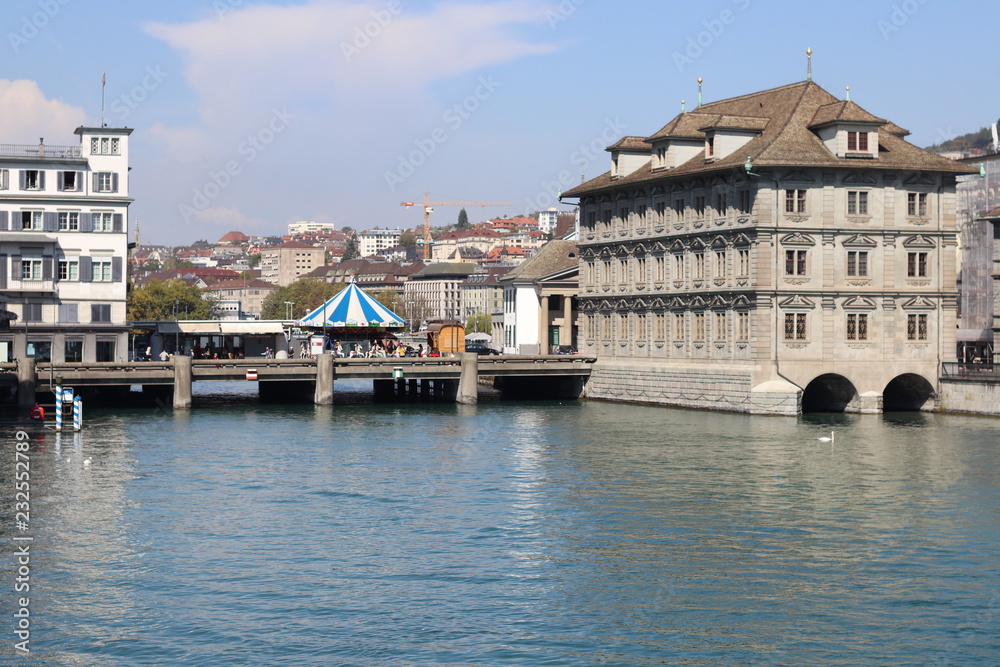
pixel 251 115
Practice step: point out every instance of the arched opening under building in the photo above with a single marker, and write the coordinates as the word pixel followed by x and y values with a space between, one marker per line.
pixel 907 393
pixel 828 393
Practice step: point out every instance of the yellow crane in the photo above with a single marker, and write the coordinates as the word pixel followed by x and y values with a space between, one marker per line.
pixel 429 208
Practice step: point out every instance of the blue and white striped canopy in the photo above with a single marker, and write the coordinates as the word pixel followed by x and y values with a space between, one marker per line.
pixel 352 308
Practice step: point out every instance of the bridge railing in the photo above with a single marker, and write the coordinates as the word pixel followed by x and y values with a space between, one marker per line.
pixel 970 370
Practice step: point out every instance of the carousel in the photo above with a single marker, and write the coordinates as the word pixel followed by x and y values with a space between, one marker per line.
pixel 352 323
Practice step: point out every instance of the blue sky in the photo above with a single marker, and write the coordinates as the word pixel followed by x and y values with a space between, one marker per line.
pixel 250 115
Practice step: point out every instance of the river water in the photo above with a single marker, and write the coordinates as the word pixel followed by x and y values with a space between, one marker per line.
pixel 572 533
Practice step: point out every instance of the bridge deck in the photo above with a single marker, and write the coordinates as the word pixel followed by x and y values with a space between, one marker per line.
pixel 414 368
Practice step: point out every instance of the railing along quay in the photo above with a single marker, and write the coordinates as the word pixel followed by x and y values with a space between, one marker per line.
pixel 970 371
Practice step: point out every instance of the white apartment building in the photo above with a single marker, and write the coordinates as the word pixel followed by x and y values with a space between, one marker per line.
pixel 308 227
pixel 372 242
pixel 63 245
pixel 547 220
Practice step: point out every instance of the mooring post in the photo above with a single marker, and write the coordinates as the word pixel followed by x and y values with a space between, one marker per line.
pixel 182 382
pixel 468 384
pixel 324 380
pixel 25 383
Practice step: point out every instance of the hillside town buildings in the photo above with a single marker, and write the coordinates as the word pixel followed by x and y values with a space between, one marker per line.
pixel 778 250
pixel 63 246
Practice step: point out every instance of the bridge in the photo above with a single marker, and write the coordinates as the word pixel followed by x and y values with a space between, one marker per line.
pixel 441 378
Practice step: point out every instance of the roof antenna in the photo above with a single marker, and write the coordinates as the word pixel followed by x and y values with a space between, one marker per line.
pixel 809 66
pixel 699 91
pixel 848 89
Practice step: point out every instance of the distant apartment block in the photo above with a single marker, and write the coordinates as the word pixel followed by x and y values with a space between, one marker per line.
pixel 307 227
pixel 284 264
pixel 372 242
pixel 63 248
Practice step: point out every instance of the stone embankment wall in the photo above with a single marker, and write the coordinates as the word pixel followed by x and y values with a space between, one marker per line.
pixel 709 387
pixel 979 397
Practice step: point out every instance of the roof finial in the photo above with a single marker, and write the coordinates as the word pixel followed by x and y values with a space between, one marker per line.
pixel 699 90
pixel 683 110
pixel 848 89
pixel 809 66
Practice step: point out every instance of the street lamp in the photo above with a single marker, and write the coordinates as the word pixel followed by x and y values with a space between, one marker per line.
pixel 288 309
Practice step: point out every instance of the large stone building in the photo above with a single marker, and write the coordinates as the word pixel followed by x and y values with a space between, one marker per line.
pixel 434 292
pixel 63 247
pixel 774 252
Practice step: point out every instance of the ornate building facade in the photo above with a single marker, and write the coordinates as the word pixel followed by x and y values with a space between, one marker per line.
pixel 774 252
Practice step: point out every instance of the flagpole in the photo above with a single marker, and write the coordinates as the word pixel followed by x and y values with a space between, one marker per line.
pixel 103 82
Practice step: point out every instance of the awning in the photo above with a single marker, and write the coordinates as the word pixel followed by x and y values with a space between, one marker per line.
pixel 196 328
pixel 247 328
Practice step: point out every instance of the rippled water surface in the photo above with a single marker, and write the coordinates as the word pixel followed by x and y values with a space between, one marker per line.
pixel 508 534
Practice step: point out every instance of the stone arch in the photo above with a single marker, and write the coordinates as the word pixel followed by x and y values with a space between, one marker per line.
pixel 829 393
pixel 908 392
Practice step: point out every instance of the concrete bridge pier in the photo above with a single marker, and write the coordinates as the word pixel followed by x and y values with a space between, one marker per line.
pixel 182 382
pixel 412 389
pixel 468 385
pixel 25 384
pixel 324 380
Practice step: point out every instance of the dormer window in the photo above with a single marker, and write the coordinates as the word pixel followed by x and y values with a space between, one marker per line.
pixel 857 141
pixel 710 146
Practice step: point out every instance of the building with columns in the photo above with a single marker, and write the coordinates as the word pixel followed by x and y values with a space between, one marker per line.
pixel 63 247
pixel 540 297
pixel 771 253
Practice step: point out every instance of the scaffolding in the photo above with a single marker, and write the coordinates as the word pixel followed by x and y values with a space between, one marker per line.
pixel 976 194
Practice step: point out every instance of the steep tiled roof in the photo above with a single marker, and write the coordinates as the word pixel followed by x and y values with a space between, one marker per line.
pixel 726 122
pixel 844 111
pixel 554 256
pixel 785 141
pixel 630 144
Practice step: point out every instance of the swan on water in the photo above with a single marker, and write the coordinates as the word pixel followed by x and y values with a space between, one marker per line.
pixel 826 439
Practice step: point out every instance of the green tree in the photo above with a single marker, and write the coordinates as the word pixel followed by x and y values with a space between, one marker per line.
pixel 479 323
pixel 407 239
pixel 174 263
pixel 151 265
pixel 254 260
pixel 351 250
pixel 391 299
pixel 463 220
pixel 169 300
pixel 306 294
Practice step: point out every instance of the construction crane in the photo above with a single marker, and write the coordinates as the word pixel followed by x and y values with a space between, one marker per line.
pixel 429 208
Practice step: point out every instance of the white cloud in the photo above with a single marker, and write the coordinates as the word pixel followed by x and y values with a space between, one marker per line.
pixel 228 217
pixel 344 51
pixel 28 115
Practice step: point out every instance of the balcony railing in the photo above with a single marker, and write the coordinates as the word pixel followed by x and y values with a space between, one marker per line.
pixel 40 150
pixel 27 285
pixel 972 370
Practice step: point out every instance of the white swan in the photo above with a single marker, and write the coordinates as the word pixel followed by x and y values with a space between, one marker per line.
pixel 826 439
